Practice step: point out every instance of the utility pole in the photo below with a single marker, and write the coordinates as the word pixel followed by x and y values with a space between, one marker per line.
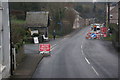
pixel 105 15
pixel 119 22
pixel 11 45
pixel 108 14
pixel 94 11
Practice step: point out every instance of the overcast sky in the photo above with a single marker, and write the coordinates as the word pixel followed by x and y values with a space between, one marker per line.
pixel 60 0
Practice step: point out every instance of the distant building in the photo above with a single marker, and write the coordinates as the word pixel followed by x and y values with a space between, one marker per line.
pixel 114 24
pixel 114 14
pixel 89 21
pixel 37 19
pixel 79 21
pixel 4 41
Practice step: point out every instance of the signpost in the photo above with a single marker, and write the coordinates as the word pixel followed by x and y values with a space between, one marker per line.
pixel 93 35
pixel 36 41
pixel 45 48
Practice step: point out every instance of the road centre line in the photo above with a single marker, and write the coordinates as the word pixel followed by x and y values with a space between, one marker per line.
pixel 81 46
pixel 95 70
pixel 87 60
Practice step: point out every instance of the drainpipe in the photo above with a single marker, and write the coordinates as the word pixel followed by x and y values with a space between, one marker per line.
pixel 11 46
pixel 108 14
pixel 119 24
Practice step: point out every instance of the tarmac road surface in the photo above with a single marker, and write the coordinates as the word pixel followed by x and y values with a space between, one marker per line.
pixel 76 57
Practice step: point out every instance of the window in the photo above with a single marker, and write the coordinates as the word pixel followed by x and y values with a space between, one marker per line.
pixel 111 16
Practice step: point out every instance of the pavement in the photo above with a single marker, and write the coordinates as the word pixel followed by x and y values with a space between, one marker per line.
pixel 28 66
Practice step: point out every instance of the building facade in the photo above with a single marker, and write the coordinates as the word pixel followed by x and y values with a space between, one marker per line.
pixel 4 41
pixel 114 24
pixel 114 14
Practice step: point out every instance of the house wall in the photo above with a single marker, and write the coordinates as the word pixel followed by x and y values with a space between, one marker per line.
pixel 114 15
pixel 5 40
pixel 1 58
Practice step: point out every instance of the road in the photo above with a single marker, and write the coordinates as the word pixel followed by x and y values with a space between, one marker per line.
pixel 75 57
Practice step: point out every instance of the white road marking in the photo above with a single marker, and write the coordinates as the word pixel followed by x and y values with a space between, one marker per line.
pixel 95 70
pixel 81 46
pixel 53 48
pixel 87 60
pixel 82 52
pixel 53 45
pixel 44 52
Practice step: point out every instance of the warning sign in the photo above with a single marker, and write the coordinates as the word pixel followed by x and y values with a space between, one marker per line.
pixel 104 29
pixel 36 41
pixel 45 48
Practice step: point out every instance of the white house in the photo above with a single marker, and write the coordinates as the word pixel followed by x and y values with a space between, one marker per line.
pixel 4 41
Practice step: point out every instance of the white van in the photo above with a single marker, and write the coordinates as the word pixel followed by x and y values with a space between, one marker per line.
pixel 96 28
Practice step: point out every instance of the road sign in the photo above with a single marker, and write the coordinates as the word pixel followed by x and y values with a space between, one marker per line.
pixel 45 48
pixel 98 35
pixel 104 29
pixel 93 35
pixel 104 35
pixel 36 40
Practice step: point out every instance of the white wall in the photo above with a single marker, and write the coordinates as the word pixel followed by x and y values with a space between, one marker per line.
pixel 0 41
pixel 5 40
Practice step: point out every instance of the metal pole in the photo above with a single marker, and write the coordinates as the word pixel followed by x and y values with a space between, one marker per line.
pixel 11 46
pixel 1 52
pixel 119 21
pixel 93 14
pixel 105 15
pixel 108 14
